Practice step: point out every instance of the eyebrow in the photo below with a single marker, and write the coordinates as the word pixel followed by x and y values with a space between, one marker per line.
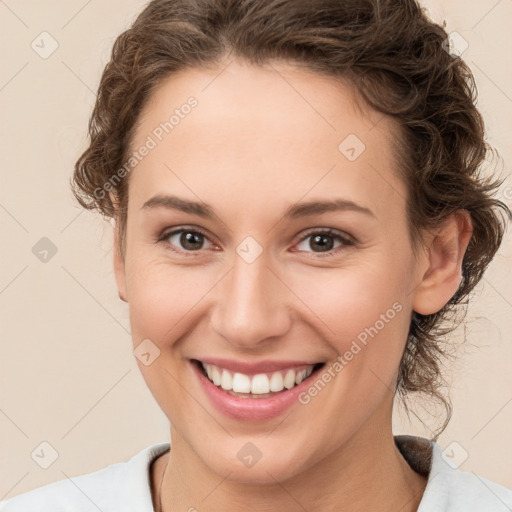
pixel 176 203
pixel 293 212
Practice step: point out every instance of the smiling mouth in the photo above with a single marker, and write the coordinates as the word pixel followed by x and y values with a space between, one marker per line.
pixel 260 385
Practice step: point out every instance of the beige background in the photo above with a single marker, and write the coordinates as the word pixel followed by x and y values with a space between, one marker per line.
pixel 67 372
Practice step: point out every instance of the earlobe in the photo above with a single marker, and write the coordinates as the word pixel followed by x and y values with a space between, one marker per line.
pixel 442 277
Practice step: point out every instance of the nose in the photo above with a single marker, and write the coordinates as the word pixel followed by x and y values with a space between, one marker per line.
pixel 251 305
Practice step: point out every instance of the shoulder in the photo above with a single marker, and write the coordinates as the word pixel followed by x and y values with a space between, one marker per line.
pixel 119 486
pixel 454 489
pixel 450 489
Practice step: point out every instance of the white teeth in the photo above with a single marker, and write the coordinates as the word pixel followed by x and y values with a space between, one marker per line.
pixel 241 383
pixel 276 382
pixel 216 376
pixel 226 381
pixel 300 376
pixel 259 384
pixel 289 379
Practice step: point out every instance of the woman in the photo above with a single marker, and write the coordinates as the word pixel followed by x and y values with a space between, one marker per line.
pixel 298 210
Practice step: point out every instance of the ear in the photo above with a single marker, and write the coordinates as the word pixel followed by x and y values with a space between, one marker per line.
pixel 445 251
pixel 119 265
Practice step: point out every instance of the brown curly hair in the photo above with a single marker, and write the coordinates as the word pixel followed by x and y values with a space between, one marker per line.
pixel 396 58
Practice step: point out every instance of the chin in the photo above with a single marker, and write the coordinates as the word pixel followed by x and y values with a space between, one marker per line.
pixel 259 461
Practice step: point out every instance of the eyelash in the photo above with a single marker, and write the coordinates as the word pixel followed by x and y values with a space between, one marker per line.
pixel 333 233
pixel 345 239
pixel 184 229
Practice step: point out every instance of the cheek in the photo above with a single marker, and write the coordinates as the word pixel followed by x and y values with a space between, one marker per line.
pixel 364 315
pixel 161 296
pixel 162 301
pixel 349 300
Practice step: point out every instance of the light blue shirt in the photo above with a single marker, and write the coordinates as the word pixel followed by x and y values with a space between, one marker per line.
pixel 125 486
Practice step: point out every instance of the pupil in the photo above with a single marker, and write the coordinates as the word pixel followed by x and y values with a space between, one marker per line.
pixel 324 243
pixel 192 241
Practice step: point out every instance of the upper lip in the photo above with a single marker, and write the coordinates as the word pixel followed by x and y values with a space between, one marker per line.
pixel 256 367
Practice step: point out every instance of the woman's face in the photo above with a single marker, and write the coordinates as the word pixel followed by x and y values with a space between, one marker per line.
pixel 266 234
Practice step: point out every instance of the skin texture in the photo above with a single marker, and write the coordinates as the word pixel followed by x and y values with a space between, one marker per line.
pixel 260 140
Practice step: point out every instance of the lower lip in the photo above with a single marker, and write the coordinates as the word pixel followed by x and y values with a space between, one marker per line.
pixel 250 409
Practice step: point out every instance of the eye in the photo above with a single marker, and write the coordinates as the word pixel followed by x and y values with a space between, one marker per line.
pixel 324 241
pixel 186 240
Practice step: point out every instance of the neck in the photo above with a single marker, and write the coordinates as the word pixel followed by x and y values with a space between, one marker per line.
pixel 367 473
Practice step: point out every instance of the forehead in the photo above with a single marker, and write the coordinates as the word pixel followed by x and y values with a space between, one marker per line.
pixel 274 133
